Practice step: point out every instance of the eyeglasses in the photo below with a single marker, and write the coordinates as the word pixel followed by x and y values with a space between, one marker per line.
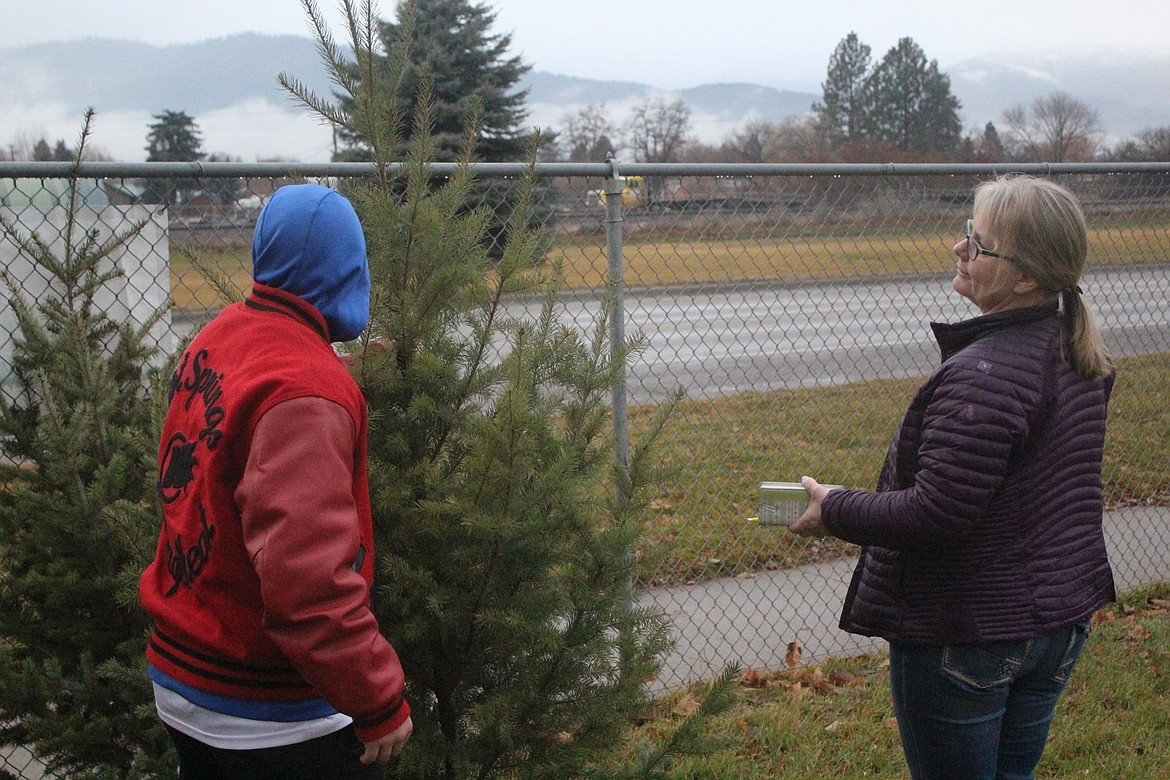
pixel 974 248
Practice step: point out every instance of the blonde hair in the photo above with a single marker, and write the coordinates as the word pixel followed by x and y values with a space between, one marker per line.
pixel 1041 226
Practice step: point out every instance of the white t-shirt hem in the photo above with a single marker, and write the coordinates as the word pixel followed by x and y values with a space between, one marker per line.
pixel 230 732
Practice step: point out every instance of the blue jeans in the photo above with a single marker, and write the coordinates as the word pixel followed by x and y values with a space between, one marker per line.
pixel 980 711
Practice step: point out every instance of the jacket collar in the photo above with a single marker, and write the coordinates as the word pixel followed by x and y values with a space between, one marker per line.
pixel 952 337
pixel 272 299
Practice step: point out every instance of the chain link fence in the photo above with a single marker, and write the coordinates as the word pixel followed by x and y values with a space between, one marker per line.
pixel 789 303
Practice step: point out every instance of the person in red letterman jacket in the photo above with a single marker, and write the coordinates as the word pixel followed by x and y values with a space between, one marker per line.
pixel 266 659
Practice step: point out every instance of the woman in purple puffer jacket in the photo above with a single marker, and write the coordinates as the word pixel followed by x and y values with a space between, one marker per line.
pixel 982 554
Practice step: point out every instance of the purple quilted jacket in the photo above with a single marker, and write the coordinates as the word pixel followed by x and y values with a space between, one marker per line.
pixel 986 523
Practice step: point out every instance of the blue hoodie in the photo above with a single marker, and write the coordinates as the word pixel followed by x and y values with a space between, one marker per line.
pixel 309 242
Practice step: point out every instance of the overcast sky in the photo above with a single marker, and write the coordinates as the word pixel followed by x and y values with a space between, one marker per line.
pixel 669 44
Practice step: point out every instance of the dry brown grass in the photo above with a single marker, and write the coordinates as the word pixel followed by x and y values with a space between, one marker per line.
pixel 668 262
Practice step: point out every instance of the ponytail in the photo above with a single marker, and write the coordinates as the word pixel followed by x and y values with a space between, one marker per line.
pixel 1085 350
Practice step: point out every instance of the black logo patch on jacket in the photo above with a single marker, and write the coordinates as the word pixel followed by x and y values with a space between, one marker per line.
pixel 186 561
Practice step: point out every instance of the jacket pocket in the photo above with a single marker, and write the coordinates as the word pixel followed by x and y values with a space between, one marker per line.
pixel 985 665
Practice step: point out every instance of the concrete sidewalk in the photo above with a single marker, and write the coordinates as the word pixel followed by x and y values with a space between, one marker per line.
pixel 753 618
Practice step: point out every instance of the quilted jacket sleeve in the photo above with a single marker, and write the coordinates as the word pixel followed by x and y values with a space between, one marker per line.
pixel 954 451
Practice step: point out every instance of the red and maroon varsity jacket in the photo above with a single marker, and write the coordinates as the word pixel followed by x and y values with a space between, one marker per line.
pixel 260 589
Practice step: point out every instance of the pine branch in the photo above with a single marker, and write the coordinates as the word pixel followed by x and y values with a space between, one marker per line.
pixel 688 738
pixel 323 108
pixel 225 289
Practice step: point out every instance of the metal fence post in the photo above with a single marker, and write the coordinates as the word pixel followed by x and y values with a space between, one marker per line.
pixel 615 286
pixel 614 185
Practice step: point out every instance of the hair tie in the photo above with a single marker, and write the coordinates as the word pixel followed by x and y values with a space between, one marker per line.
pixel 1064 293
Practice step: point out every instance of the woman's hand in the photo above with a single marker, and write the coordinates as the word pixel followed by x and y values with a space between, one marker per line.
pixel 809 523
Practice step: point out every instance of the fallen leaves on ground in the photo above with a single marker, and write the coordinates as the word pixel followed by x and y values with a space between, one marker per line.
pixel 687 706
pixel 800 681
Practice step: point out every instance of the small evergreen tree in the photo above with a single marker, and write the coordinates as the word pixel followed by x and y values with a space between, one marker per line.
pixel 42 152
pixel 505 529
pixel 174 137
pixel 225 190
pixel 990 149
pixel 78 515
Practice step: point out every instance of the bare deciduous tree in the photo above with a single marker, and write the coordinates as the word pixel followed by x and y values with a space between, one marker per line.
pixel 588 134
pixel 1150 145
pixel 657 130
pixel 795 139
pixel 1055 128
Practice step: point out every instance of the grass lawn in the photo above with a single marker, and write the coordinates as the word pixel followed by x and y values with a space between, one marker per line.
pixel 803 256
pixel 834 720
pixel 190 289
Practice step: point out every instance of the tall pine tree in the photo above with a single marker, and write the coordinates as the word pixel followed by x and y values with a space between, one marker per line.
pixel 903 103
pixel 913 107
pixel 174 137
pixel 78 514
pixel 451 45
pixel 506 529
pixel 846 105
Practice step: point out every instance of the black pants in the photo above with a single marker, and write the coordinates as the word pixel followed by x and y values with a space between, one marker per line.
pixel 334 756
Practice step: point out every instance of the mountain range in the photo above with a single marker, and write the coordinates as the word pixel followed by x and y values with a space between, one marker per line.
pixel 228 85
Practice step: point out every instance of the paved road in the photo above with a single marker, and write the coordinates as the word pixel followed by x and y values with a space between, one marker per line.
pixel 727 339
pixel 730 339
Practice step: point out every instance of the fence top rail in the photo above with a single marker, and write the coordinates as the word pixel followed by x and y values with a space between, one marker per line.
pixel 613 168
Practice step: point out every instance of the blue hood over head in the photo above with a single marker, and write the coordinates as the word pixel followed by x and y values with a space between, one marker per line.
pixel 309 242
